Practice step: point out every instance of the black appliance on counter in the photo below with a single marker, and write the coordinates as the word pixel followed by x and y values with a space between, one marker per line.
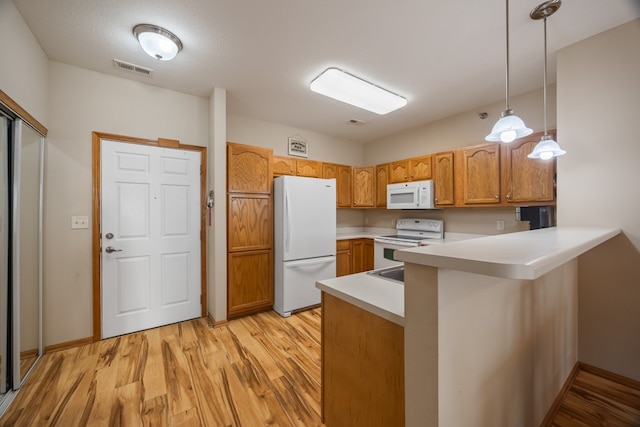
pixel 538 216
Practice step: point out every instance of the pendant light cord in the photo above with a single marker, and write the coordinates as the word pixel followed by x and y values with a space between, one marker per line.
pixel 544 83
pixel 507 38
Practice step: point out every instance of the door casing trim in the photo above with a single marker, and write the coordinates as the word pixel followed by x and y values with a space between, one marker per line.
pixel 97 137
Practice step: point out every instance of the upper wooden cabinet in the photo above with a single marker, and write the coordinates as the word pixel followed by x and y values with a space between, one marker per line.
pixel 342 175
pixel 443 179
pixel 284 166
pixel 382 179
pixel 420 168
pixel 526 180
pixel 309 168
pixel 364 187
pixel 413 169
pixel 249 169
pixel 477 175
pixel 302 167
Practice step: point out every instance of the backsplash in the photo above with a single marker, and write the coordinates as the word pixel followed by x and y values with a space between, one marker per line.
pixel 458 220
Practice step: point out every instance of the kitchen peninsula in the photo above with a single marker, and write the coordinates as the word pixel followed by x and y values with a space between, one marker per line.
pixel 490 324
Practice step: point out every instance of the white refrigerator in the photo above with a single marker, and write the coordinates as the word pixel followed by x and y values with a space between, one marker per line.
pixel 305 240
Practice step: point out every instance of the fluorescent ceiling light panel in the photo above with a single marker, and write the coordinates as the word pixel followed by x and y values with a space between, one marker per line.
pixel 348 88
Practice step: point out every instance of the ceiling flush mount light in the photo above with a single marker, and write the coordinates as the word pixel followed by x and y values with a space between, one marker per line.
pixel 157 42
pixel 510 126
pixel 547 147
pixel 348 88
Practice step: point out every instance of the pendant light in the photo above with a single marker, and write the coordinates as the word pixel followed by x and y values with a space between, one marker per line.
pixel 510 126
pixel 547 147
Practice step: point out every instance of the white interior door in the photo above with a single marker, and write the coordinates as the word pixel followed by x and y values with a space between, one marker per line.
pixel 150 220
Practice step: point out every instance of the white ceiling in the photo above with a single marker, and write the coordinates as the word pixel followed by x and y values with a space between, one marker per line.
pixel 444 56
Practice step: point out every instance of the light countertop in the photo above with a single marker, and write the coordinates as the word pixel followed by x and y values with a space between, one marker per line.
pixel 524 255
pixel 381 297
pixel 362 232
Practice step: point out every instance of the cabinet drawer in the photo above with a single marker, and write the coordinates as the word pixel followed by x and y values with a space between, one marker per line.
pixel 343 245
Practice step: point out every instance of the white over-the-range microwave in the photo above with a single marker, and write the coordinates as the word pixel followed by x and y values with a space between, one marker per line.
pixel 410 195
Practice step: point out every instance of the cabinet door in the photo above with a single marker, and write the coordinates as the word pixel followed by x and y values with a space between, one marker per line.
pixel 420 168
pixel 343 258
pixel 249 169
pixel 480 180
pixel 443 179
pixel 250 282
pixel 382 179
pixel 399 171
pixel 363 187
pixel 525 179
pixel 342 175
pixel 309 168
pixel 361 255
pixel 249 222
pixel 284 166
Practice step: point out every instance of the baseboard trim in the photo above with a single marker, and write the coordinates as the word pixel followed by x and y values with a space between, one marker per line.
pixel 620 379
pixel 217 324
pixel 68 344
pixel 555 406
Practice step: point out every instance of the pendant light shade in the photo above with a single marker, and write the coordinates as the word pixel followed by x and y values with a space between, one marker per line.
pixel 510 126
pixel 547 148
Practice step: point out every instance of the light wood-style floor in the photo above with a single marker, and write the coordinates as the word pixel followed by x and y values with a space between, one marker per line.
pixel 262 370
pixel 256 371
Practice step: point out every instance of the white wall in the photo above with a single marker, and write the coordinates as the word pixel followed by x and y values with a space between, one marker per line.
pixel 24 65
pixel 321 147
pixel 598 110
pixel 80 102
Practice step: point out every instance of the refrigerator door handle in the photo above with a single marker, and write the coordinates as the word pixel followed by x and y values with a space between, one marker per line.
pixel 311 261
pixel 287 217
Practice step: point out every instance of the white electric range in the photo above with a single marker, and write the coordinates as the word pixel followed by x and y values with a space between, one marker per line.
pixel 410 232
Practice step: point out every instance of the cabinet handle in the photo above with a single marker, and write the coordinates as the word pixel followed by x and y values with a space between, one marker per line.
pixel 509 196
pixel 497 196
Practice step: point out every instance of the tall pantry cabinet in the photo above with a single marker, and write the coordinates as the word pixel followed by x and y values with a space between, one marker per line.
pixel 21 166
pixel 250 229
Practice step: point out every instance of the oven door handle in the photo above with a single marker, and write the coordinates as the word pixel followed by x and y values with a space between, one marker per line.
pixel 395 242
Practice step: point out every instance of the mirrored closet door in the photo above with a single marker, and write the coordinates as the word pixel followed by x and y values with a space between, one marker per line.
pixel 21 167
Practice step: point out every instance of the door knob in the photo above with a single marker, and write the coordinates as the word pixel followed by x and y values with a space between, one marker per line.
pixel 111 249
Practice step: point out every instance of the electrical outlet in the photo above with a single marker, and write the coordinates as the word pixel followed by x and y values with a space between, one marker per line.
pixel 366 221
pixel 79 222
pixel 393 222
pixel 499 225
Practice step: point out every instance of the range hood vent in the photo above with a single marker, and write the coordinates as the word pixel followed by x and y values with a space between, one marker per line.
pixel 132 67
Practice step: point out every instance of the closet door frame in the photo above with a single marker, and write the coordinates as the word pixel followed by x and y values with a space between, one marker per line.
pixel 19 379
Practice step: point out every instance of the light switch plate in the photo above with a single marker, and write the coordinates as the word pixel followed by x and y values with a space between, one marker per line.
pixel 79 222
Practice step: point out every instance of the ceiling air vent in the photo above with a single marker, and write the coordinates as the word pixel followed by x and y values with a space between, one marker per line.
pixel 132 67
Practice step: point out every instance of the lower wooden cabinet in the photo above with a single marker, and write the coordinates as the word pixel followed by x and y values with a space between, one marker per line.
pixel 361 255
pixel 343 258
pixel 362 367
pixel 250 279
pixel 354 256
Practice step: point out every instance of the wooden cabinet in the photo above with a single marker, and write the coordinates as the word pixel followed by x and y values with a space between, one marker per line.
pixel 361 255
pixel 477 175
pixel 420 168
pixel 249 230
pixel 284 166
pixel 343 257
pixel 301 167
pixel 249 169
pixel 354 256
pixel 342 175
pixel 526 180
pixel 310 168
pixel 399 171
pixel 250 278
pixel 382 179
pixel 413 169
pixel 443 179
pixel 364 187
pixel 362 367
